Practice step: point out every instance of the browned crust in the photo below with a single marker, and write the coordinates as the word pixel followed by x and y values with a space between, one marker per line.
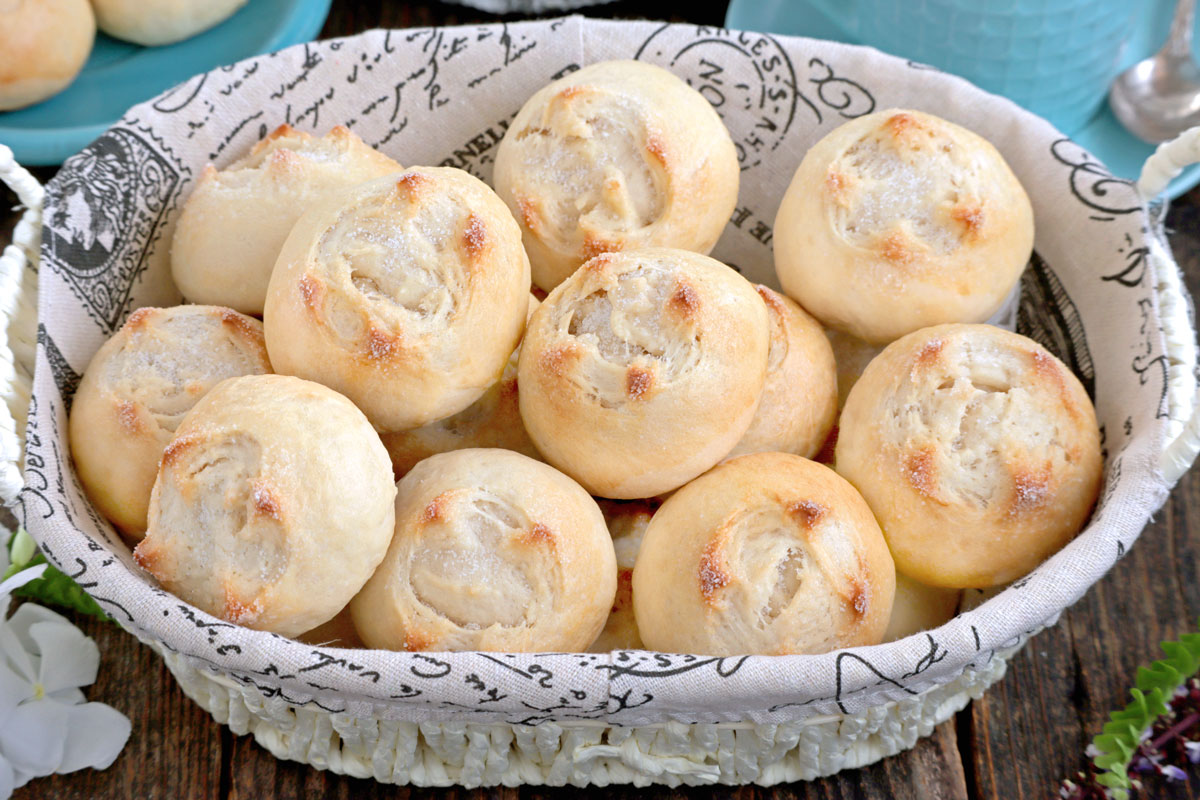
pixel 475 237
pixel 772 299
pixel 127 416
pixel 175 450
pixel 436 509
pixel 241 325
pixel 284 160
pixel 539 533
pixel 859 599
pixel 509 388
pixel 638 382
pixel 594 246
pixel 381 345
pixel 557 360
pixel 929 354
pixel 920 471
pixel 901 124
pixel 312 292
pixel 808 513
pixel 655 148
pixel 971 218
pixel 279 133
pixel 571 92
pixel 410 184
pixel 140 319
pixel 415 640
pixel 266 501
pixel 147 556
pixel 895 248
pixel 711 575
pixel 237 610
pixel 684 301
pixel 1031 489
pixel 835 184
pixel 527 211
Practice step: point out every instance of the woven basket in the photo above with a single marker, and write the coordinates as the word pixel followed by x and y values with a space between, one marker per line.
pixel 401 742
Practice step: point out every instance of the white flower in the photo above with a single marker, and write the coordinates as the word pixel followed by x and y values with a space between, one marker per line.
pixel 45 724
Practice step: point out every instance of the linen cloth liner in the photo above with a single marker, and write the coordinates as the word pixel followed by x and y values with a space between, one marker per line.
pixel 445 96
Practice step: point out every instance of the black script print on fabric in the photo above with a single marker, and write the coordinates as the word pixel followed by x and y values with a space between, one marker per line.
pixel 94 236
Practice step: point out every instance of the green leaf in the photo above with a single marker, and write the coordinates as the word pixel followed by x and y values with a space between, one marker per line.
pixel 53 587
pixel 1154 686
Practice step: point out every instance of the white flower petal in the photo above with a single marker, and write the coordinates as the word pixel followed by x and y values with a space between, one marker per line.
pixel 23 577
pixel 96 735
pixel 69 658
pixel 32 739
pixel 68 697
pixel 28 615
pixel 8 781
pixel 15 656
pixel 20 777
pixel 14 690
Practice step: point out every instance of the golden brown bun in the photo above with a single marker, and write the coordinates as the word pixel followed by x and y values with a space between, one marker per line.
pixel 919 608
pixel 273 505
pixel 977 450
pixel 799 399
pixel 492 551
pixel 766 554
pixel 899 220
pixel 615 156
pixel 643 369
pixel 156 22
pixel 234 223
pixel 627 521
pixel 136 391
pixel 494 420
pixel 43 45
pixel 407 294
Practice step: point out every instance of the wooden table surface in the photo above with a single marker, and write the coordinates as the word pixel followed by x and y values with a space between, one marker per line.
pixel 1019 741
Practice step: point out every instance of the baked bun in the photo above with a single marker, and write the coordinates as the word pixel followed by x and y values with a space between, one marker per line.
pixel 899 220
pixel 977 450
pixel 136 391
pixel 337 632
pixel 273 505
pixel 233 224
pixel 407 294
pixel 155 22
pixel 615 156
pixel 627 521
pixel 494 420
pixel 919 608
pixel 767 554
pixel 799 399
pixel 492 551
pixel 43 45
pixel 643 369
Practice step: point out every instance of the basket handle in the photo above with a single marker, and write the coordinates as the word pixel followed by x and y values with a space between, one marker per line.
pixel 1183 393
pixel 18 332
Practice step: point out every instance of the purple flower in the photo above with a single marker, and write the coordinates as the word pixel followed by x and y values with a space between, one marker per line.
pixel 1174 773
pixel 1193 751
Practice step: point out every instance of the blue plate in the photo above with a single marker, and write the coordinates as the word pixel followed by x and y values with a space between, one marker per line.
pixel 1103 136
pixel 119 75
